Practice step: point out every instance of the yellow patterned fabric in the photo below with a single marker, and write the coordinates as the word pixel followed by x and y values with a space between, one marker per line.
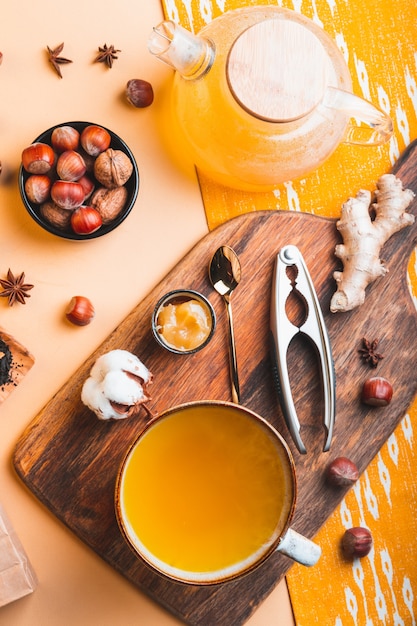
pixel 379 41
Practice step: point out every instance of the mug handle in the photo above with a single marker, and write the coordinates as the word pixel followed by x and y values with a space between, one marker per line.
pixel 299 548
pixel 378 128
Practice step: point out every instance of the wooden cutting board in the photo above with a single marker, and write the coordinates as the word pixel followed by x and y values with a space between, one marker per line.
pixel 69 459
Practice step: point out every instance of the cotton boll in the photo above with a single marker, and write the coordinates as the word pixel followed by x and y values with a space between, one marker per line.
pixel 93 397
pixel 120 360
pixel 117 386
pixel 121 388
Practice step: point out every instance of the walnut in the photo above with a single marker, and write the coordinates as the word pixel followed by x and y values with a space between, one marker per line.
pixel 60 218
pixel 109 202
pixel 113 168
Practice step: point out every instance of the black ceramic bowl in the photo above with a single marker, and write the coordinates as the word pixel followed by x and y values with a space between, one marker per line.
pixel 132 186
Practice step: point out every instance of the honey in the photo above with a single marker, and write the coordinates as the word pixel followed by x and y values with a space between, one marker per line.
pixel 206 489
pixel 184 325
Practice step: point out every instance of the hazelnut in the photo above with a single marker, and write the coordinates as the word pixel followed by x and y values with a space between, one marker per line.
pixel 79 311
pixel 70 165
pixel 139 93
pixel 85 220
pixel 38 158
pixel 113 168
pixel 377 391
pixel 65 138
pixel 109 202
pixel 341 472
pixel 67 194
pixel 52 213
pixel 89 160
pixel 38 187
pixel 95 139
pixel 356 542
pixel 87 185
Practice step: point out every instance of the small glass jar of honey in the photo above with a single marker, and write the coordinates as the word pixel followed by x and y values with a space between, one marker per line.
pixel 183 321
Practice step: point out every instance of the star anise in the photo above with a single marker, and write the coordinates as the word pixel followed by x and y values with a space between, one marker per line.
pixel 368 352
pixel 107 54
pixel 14 288
pixel 55 60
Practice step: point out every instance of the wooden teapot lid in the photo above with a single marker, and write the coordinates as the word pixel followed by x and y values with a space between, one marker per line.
pixel 277 70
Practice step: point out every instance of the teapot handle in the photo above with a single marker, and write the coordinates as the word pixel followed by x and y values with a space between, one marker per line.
pixel 299 548
pixel 370 126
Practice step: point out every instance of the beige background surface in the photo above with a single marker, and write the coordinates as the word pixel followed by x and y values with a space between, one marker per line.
pixel 115 272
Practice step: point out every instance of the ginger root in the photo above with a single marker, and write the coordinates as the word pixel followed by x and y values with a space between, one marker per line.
pixel 363 238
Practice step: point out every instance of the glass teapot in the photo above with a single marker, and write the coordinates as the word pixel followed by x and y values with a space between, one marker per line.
pixel 262 96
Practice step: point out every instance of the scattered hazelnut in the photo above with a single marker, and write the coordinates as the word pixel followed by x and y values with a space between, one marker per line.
pixel 52 213
pixel 341 472
pixel 79 311
pixel 377 391
pixel 139 93
pixel 113 168
pixel 356 542
pixel 109 202
pixel 1 58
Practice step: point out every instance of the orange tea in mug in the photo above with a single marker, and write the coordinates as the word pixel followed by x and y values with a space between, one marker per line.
pixel 205 492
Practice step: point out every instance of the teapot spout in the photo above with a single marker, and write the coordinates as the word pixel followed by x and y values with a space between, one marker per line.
pixel 369 125
pixel 192 56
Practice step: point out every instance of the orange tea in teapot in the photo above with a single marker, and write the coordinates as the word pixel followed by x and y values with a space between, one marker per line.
pixel 206 489
pixel 262 96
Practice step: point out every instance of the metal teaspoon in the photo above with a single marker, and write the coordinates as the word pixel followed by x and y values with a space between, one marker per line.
pixel 225 275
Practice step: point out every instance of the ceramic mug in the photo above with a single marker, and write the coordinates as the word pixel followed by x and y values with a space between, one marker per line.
pixel 207 492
